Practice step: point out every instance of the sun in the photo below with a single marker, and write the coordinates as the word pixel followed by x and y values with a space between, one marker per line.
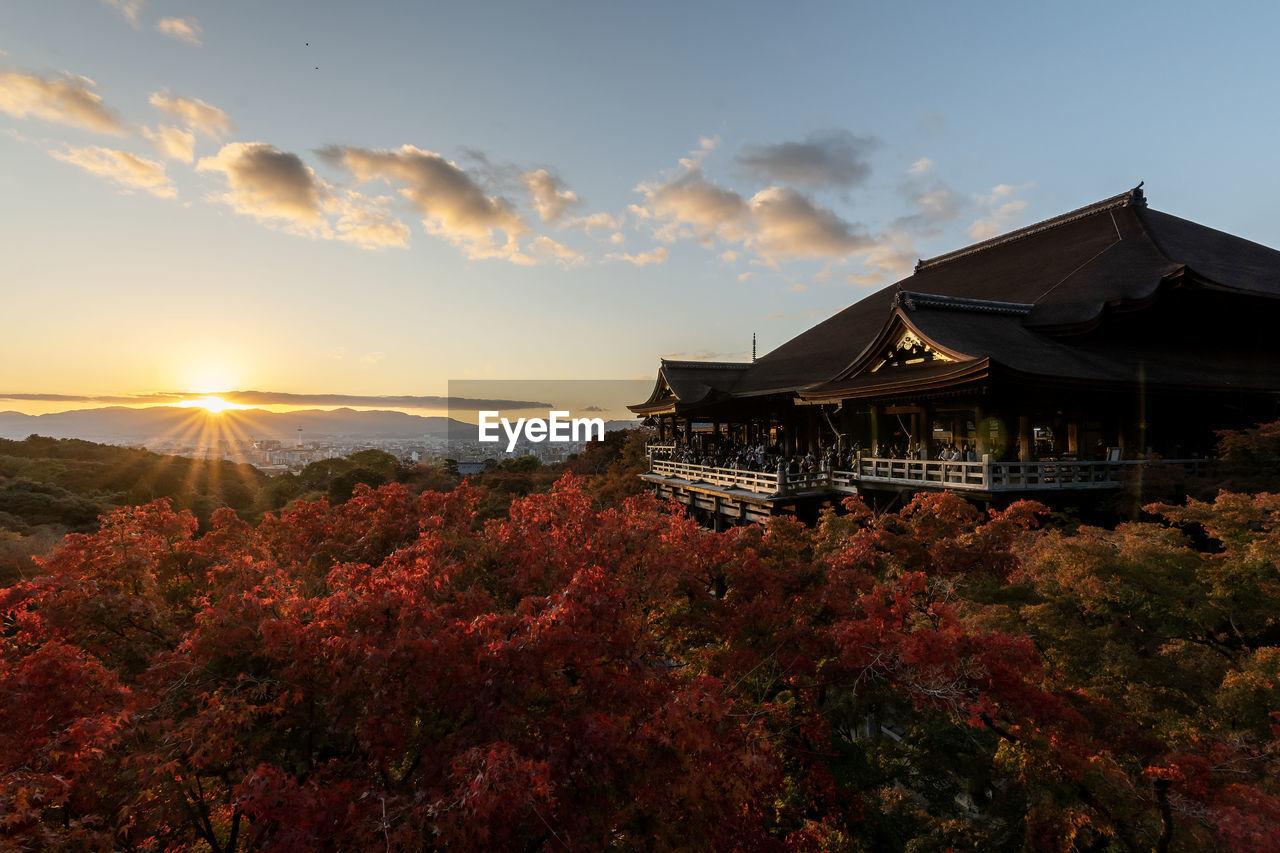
pixel 210 403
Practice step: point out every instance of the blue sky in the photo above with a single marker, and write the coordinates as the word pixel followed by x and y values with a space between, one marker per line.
pixel 372 199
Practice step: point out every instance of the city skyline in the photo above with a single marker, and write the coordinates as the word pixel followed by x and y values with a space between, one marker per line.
pixel 328 201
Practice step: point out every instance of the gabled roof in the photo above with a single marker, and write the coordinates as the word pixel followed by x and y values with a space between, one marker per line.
pixel 1028 302
pixel 682 384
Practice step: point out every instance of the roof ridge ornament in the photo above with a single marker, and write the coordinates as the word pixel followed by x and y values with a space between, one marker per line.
pixel 903 298
pixel 1129 198
pixel 914 299
pixel 1136 196
pixel 699 364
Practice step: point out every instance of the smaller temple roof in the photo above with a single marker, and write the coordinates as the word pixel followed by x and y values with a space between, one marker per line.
pixel 690 383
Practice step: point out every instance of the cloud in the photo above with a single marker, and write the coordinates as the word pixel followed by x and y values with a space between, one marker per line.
pixel 828 158
pixel 1003 212
pixel 596 220
pixel 121 167
pixel 173 142
pixel 128 8
pixel 657 256
pixel 453 205
pixel 938 202
pixel 693 160
pixel 790 225
pixel 278 188
pixel 693 206
pixel 703 355
pixel 921 167
pixel 562 254
pixel 776 223
pixel 783 223
pixel 368 223
pixel 935 203
pixel 279 398
pixel 194 113
pixel 68 100
pixel 550 200
pixel 267 183
pixel 893 257
pixel 184 29
pixel 554 203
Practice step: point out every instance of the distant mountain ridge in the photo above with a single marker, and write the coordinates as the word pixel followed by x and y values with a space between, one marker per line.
pixel 123 425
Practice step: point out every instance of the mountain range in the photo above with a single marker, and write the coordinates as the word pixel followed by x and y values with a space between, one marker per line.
pixel 123 425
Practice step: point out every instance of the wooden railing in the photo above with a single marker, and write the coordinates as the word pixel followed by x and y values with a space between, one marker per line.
pixel 983 476
pixel 925 472
pixel 759 482
pixel 988 476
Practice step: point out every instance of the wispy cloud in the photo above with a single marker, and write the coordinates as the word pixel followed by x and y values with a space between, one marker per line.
pixel 1003 212
pixel 702 355
pixel 546 247
pixel 183 29
pixel 549 197
pixel 556 204
pixel 826 159
pixel 173 142
pixel 67 100
pixel 127 170
pixel 368 222
pixel 657 256
pixel 194 113
pixel 129 9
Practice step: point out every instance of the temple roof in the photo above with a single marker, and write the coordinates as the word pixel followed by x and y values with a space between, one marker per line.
pixel 1030 301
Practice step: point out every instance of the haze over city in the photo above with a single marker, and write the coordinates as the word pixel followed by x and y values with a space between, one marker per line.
pixel 312 205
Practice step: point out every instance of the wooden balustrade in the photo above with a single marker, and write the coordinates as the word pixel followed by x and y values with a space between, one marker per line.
pixel 983 476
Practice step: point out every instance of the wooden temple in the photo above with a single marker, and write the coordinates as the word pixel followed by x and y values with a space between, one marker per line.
pixel 1061 356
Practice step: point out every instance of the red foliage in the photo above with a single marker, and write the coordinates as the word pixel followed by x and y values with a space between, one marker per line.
pixel 391 673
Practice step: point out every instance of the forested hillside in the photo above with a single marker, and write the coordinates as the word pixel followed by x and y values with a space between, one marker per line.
pixel 49 487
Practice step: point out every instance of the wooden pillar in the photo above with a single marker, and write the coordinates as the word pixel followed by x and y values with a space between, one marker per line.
pixel 1025 447
pixel 926 431
pixel 981 434
pixel 1073 431
pixel 874 449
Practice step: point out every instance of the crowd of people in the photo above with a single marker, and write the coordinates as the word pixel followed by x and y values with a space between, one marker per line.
pixel 742 456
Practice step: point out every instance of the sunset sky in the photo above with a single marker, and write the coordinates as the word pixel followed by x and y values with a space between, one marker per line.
pixel 342 201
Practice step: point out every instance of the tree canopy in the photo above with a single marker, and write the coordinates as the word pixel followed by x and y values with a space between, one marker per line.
pixel 395 672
